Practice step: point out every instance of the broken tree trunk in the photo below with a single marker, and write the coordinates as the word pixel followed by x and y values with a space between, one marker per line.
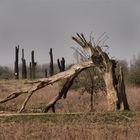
pixel 106 66
pixel 30 70
pixel 51 69
pixel 110 90
pixel 24 69
pixel 16 72
pixel 61 65
pixel 33 65
pixel 46 73
pixel 122 99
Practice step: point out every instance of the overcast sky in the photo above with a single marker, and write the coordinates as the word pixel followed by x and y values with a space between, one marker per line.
pixel 42 24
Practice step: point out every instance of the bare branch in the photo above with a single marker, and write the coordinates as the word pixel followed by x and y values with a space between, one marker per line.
pixel 13 96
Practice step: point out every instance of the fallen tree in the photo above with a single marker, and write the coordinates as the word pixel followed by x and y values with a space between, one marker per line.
pixel 98 58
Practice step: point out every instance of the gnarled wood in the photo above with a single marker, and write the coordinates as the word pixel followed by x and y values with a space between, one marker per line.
pixel 62 93
pixel 107 67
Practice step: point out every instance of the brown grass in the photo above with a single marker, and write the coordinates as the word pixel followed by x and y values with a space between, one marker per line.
pixel 75 102
pixel 83 131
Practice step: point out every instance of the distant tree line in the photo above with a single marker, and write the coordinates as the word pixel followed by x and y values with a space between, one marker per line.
pixel 6 72
pixel 33 70
pixel 132 71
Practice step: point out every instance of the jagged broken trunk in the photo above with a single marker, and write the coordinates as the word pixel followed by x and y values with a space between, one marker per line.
pixel 115 88
pixel 110 90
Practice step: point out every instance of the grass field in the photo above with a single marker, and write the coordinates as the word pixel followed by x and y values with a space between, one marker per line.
pixel 83 126
pixel 66 125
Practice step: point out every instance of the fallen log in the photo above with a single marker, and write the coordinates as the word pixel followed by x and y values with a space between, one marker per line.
pixel 38 84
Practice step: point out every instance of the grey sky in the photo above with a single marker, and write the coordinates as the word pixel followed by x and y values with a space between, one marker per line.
pixel 41 24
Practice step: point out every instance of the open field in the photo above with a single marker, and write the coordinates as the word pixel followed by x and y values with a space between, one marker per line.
pixel 66 125
pixel 98 126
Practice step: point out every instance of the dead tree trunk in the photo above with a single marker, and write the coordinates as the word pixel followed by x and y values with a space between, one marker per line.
pixel 111 91
pixel 46 73
pixel 33 65
pixel 24 69
pixel 61 65
pixel 16 73
pixel 122 99
pixel 105 64
pixel 30 70
pixel 51 69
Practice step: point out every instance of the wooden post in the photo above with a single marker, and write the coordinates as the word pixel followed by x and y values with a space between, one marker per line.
pixel 16 73
pixel 51 69
pixel 24 69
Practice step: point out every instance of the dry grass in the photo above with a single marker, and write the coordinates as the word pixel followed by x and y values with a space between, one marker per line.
pixel 75 102
pixel 133 94
pixel 72 127
pixel 62 130
pixel 83 131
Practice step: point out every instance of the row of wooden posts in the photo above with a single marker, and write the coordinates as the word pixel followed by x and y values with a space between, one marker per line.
pixel 33 64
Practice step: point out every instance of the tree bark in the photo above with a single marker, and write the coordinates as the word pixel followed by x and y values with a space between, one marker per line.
pixel 122 98
pixel 62 93
pixel 110 90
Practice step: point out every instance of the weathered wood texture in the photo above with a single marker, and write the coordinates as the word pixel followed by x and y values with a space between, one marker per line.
pixel 107 67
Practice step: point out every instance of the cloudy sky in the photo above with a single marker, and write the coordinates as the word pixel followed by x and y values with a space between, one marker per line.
pixel 42 24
